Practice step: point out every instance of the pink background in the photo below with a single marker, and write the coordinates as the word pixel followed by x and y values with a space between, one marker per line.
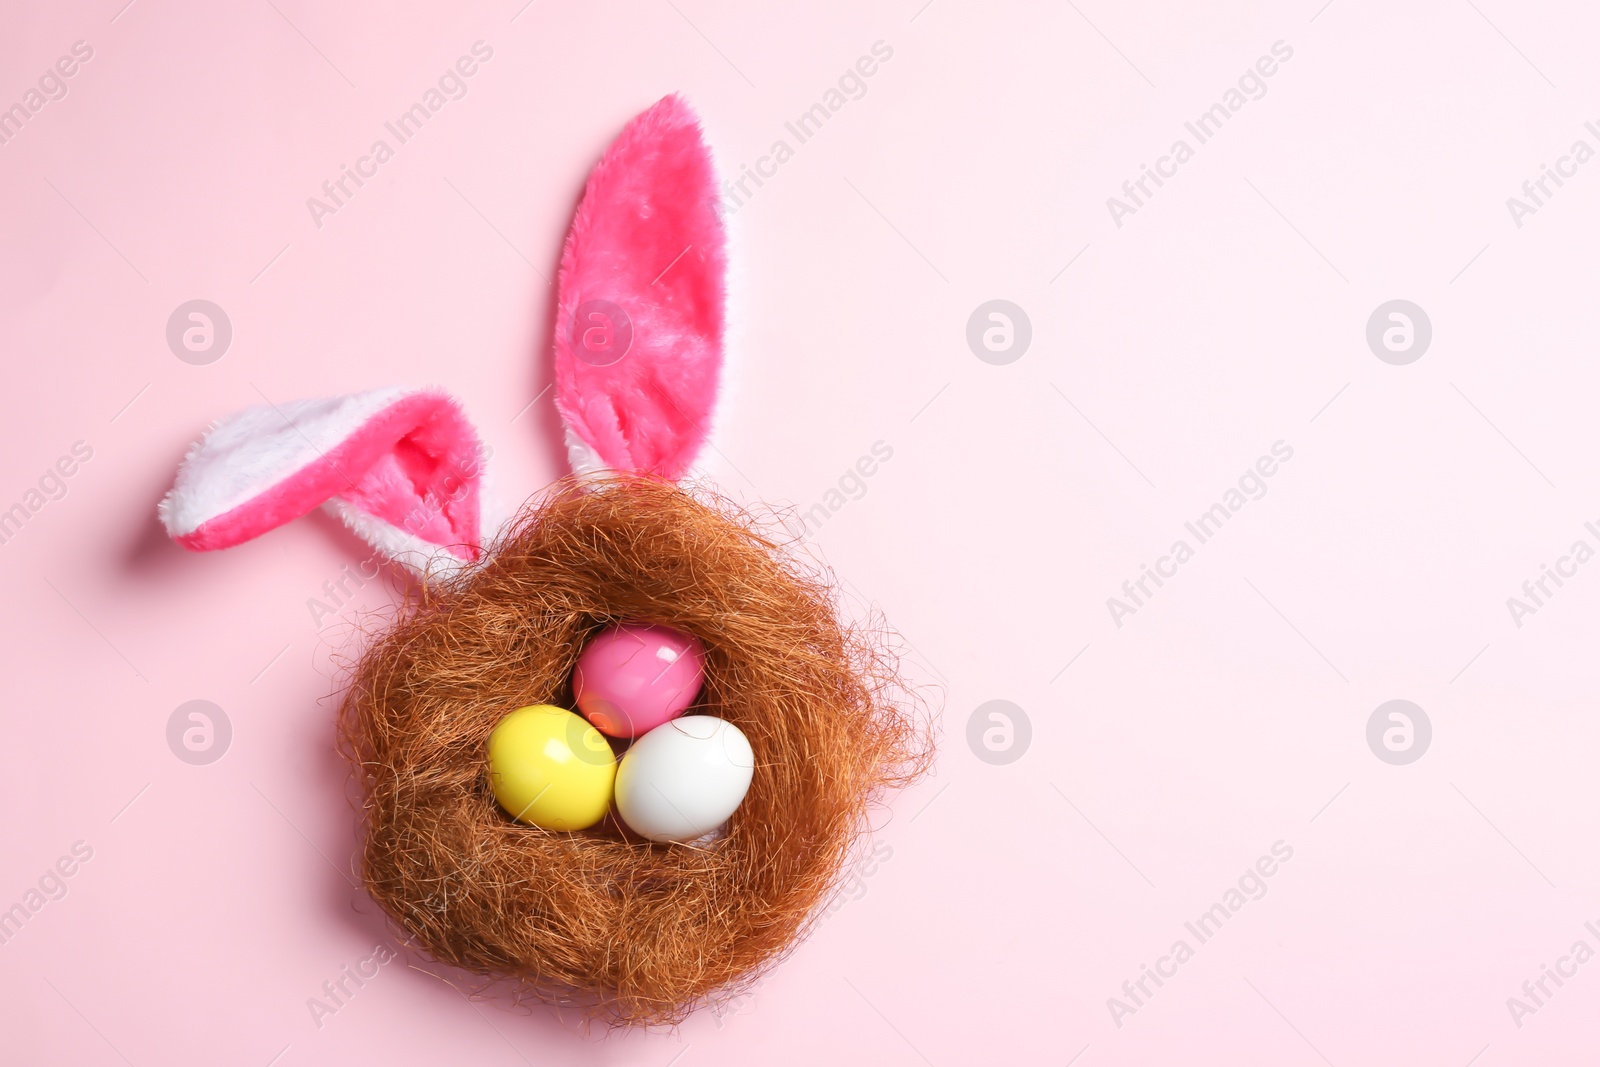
pixel 1228 313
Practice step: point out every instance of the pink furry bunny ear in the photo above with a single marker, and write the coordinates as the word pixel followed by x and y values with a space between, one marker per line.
pixel 402 468
pixel 639 326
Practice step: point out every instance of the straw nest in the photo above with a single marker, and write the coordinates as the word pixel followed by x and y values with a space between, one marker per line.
pixel 630 932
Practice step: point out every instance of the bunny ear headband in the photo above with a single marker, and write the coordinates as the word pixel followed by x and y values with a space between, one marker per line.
pixel 637 885
pixel 638 356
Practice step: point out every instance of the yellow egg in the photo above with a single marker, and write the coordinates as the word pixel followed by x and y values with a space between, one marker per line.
pixel 550 768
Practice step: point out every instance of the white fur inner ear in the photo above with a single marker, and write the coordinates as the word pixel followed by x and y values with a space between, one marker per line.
pixel 420 557
pixel 584 460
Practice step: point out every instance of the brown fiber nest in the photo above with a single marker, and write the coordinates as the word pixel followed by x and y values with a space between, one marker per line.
pixel 628 931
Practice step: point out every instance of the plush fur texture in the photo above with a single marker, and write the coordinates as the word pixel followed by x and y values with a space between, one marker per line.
pixel 648 239
pixel 401 468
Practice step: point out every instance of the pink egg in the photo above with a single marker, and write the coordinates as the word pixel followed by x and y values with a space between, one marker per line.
pixel 634 677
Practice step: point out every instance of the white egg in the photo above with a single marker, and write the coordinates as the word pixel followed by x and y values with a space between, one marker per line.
pixel 684 778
